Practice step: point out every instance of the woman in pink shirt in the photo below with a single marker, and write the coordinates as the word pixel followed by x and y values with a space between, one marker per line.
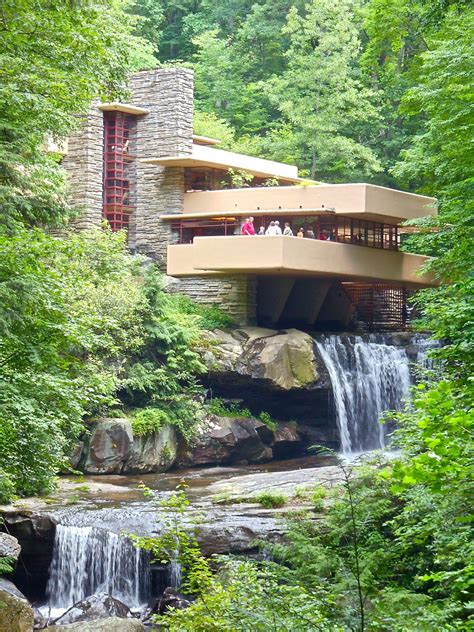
pixel 248 228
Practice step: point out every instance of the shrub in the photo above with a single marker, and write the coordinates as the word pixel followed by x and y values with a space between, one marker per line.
pixel 270 500
pixel 148 420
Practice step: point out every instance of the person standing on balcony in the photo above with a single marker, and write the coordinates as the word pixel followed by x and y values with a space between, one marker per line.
pixel 277 228
pixel 310 233
pixel 271 230
pixel 248 227
pixel 300 233
pixel 287 230
pixel 261 230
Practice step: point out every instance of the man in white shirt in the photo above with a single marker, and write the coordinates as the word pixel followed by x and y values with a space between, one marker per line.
pixel 271 230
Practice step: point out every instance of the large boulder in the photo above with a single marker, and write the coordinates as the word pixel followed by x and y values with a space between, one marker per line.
pixel 112 448
pixel 112 624
pixel 9 546
pixel 99 606
pixel 171 598
pixel 280 360
pixel 286 440
pixel 154 452
pixel 224 440
pixel 108 447
pixel 16 614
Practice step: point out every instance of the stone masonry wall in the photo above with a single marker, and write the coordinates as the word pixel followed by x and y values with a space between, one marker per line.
pixel 84 164
pixel 166 131
pixel 236 295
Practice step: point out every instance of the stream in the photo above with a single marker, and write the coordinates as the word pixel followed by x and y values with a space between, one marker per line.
pixel 89 520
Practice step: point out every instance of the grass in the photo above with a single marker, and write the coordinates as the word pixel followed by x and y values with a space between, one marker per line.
pixel 270 500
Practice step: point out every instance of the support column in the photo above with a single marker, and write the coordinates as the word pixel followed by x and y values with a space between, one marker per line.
pixel 84 166
pixel 166 131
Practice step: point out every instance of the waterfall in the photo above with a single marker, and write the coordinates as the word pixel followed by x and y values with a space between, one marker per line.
pixel 174 574
pixel 368 377
pixel 88 560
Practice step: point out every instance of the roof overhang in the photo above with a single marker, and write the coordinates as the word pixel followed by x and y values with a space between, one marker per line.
pixel 127 108
pixel 205 140
pixel 205 156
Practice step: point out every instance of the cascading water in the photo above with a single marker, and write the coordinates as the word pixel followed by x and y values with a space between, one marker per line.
pixel 368 377
pixel 88 560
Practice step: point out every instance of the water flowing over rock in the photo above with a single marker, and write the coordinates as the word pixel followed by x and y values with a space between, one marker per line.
pixel 16 614
pixel 368 377
pixel 100 606
pixel 112 624
pixel 88 560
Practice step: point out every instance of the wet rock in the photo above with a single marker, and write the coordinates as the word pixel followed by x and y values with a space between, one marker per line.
pixel 226 440
pixel 287 440
pixel 9 546
pixel 16 614
pixel 171 598
pixel 285 482
pixel 76 455
pixel 112 624
pixel 282 360
pixel 155 452
pixel 41 622
pixel 99 606
pixel 237 530
pixel 108 446
pixel 35 534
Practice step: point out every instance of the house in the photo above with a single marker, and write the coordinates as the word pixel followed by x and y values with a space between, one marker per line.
pixel 139 166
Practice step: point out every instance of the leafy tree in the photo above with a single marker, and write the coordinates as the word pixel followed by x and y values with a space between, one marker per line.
pixel 77 325
pixel 321 94
pixel 55 57
pixel 222 86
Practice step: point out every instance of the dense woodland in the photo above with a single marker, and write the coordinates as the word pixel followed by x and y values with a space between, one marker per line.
pixel 349 90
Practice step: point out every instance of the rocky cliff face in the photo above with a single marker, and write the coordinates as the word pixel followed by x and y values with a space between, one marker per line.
pixel 265 359
pixel 278 372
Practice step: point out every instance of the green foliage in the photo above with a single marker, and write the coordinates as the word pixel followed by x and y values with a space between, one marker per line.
pixel 266 419
pixel 269 499
pixel 218 407
pixel 7 564
pixel 79 324
pixel 55 57
pixel 177 542
pixel 148 420
pixel 69 309
pixel 207 317
pixel 247 597
pixel 320 94
pixel 221 408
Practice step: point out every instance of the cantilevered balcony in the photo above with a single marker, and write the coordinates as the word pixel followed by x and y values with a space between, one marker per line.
pixel 296 257
pixel 363 201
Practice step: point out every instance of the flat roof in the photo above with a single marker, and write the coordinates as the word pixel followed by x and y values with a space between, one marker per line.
pixel 115 106
pixel 205 156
